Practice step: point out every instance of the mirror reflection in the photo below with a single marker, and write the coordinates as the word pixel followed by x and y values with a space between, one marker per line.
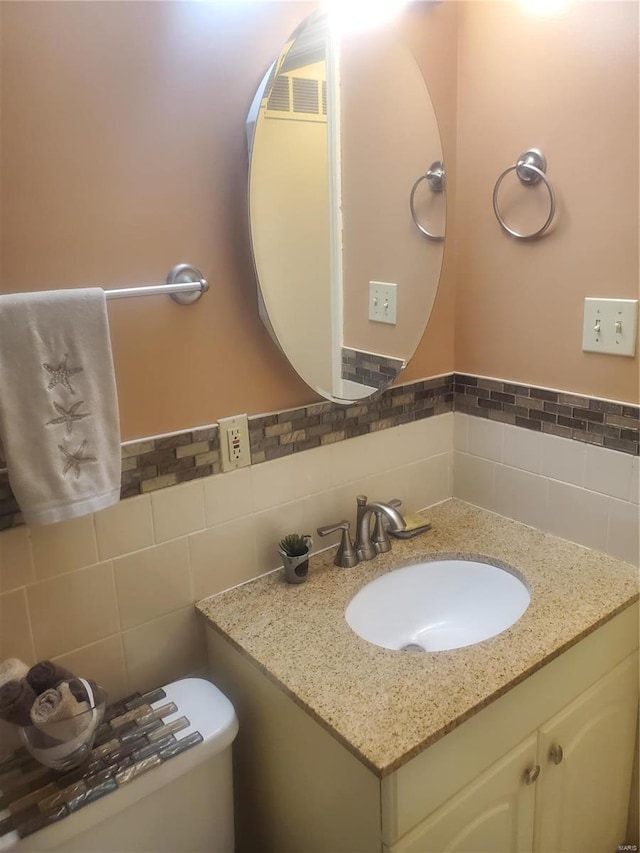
pixel 340 133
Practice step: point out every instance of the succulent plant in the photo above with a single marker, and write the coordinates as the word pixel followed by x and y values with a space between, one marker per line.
pixel 294 545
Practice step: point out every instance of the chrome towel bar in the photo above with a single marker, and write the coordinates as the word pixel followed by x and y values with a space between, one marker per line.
pixel 185 284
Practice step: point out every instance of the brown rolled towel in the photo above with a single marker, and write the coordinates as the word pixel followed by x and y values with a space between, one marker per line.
pixel 16 700
pixel 47 675
pixel 56 712
pixel 80 691
pixel 12 669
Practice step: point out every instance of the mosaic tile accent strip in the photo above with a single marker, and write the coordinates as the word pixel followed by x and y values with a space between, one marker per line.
pixel 156 463
pixel 612 425
pixel 368 368
pixel 148 464
pixel 284 433
pixel 132 739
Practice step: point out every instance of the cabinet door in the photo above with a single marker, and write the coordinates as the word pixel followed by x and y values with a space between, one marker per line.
pixel 586 755
pixel 493 814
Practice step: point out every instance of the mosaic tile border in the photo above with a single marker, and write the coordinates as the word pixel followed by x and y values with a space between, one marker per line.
pixel 147 465
pixel 612 425
pixel 132 739
pixel 283 433
pixel 157 463
pixel 367 368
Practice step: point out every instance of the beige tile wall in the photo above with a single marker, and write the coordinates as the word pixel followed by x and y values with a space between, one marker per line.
pixel 577 491
pixel 111 595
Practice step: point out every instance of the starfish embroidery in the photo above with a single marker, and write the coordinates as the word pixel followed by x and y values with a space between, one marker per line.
pixel 68 416
pixel 75 460
pixel 60 374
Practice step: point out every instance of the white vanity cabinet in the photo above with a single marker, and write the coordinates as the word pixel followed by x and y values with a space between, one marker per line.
pixel 586 752
pixel 494 813
pixel 497 783
pixel 564 788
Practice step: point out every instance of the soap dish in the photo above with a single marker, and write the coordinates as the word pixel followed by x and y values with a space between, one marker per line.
pixel 409 534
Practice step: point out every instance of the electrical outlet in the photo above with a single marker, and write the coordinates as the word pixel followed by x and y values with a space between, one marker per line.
pixel 235 451
pixel 382 302
pixel 610 326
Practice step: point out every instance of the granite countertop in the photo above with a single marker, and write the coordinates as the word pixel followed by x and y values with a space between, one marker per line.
pixel 387 706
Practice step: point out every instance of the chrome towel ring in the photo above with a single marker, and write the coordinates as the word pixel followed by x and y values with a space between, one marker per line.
pixel 435 177
pixel 530 169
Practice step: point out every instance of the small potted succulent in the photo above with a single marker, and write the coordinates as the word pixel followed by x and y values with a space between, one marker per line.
pixel 294 550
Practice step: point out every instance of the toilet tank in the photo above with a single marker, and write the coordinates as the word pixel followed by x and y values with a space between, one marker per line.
pixel 183 806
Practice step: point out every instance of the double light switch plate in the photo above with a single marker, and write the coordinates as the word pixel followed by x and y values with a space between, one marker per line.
pixel 610 326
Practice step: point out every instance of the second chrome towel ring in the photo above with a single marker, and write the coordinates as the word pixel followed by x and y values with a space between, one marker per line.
pixel 435 177
pixel 530 169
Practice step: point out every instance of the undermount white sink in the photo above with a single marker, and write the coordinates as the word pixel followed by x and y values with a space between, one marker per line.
pixel 437 605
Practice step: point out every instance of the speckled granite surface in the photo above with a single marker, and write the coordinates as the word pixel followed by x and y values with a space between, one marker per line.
pixel 387 706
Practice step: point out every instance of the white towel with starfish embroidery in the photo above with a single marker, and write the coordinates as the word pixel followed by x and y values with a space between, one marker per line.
pixel 59 421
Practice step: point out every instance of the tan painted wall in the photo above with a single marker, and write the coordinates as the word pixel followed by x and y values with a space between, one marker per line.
pixel 430 31
pixel 123 153
pixel 568 85
pixel 388 139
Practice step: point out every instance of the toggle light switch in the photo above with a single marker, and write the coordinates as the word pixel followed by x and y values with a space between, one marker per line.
pixel 382 302
pixel 610 326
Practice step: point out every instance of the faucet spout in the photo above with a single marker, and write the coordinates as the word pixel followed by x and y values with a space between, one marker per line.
pixel 367 549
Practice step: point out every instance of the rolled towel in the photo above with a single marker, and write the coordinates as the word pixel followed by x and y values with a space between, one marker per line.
pixel 57 713
pixel 16 701
pixel 47 675
pixel 80 691
pixel 12 669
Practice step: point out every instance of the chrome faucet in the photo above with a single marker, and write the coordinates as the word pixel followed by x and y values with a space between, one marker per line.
pixel 368 545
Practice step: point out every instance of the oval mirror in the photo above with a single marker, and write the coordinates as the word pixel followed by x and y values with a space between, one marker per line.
pixel 346 206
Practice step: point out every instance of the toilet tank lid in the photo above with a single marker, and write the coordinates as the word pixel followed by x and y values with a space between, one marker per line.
pixel 208 711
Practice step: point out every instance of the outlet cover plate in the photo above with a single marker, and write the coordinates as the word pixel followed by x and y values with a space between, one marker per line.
pixel 235 451
pixel 610 326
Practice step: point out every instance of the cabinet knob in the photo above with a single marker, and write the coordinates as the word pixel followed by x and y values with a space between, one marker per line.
pixel 556 753
pixel 531 774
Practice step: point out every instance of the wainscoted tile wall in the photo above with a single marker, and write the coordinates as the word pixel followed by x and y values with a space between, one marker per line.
pixel 575 490
pixel 165 461
pixel 111 595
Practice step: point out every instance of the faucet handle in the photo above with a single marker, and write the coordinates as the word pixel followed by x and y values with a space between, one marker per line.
pixel 345 557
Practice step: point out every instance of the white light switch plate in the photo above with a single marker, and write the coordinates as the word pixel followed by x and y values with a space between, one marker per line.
pixel 382 302
pixel 610 326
